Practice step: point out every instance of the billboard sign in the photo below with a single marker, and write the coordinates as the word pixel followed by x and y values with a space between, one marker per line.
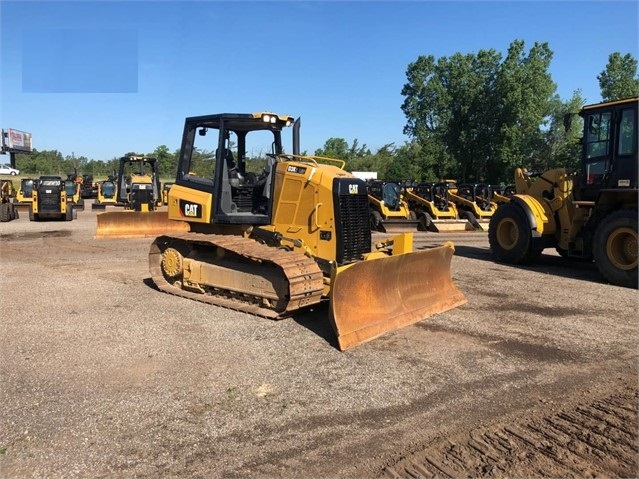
pixel 18 141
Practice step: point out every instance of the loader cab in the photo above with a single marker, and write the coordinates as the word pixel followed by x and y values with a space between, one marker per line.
pixel 388 192
pixel 230 158
pixel 609 153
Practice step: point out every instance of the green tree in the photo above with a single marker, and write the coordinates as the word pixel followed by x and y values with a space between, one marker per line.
pixel 167 161
pixel 476 116
pixel 619 79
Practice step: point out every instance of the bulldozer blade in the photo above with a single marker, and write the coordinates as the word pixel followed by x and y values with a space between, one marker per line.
pixel 135 224
pixel 373 297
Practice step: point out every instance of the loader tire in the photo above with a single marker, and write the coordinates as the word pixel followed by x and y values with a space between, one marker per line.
pixel 376 221
pixel 425 222
pixel 5 212
pixel 615 248
pixel 468 215
pixel 510 237
pixel 32 216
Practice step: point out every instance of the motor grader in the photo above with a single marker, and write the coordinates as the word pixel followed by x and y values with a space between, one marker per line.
pixel 389 212
pixel 432 207
pixel 589 214
pixel 271 233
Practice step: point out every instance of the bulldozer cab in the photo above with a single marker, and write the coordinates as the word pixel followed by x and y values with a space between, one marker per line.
pixel 609 154
pixel 232 158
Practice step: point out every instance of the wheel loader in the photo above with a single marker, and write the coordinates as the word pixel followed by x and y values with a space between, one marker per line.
pixel 50 200
pixel 432 207
pixel 389 212
pixel 271 233
pixel 590 214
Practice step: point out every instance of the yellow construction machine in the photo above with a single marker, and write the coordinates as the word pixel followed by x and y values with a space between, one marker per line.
pixel 24 195
pixel 50 200
pixel 433 209
pixel 73 188
pixel 7 193
pixel 502 194
pixel 473 202
pixel 389 212
pixel 165 192
pixel 107 193
pixel 589 214
pixel 275 233
pixel 138 191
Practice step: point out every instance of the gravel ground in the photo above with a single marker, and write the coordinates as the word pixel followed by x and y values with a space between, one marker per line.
pixel 102 375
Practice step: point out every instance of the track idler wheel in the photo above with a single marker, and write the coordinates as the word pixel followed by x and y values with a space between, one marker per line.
pixel 172 264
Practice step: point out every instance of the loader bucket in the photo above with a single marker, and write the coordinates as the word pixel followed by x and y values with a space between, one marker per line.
pixel 397 226
pixel 135 224
pixel 376 296
pixel 450 226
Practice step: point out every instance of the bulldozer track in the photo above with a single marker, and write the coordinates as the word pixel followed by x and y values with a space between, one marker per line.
pixel 304 278
pixel 597 439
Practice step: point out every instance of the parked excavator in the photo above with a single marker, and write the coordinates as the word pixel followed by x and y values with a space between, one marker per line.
pixel 389 211
pixel 590 214
pixel 432 207
pixel 271 234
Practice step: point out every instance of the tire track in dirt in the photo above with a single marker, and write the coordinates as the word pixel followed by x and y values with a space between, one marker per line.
pixel 593 439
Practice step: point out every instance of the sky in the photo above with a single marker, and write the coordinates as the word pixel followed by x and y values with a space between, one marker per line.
pixel 100 79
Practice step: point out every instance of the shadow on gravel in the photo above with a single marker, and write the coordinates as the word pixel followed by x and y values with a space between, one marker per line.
pixel 149 282
pixel 316 320
pixel 546 263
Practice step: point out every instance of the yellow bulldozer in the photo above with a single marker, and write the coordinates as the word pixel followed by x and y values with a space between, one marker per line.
pixel 590 214
pixel 432 207
pixel 389 212
pixel 276 233
pixel 139 193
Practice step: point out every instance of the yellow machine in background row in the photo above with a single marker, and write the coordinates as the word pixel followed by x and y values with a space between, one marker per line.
pixel 50 200
pixel 271 236
pixel 433 208
pixel 389 211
